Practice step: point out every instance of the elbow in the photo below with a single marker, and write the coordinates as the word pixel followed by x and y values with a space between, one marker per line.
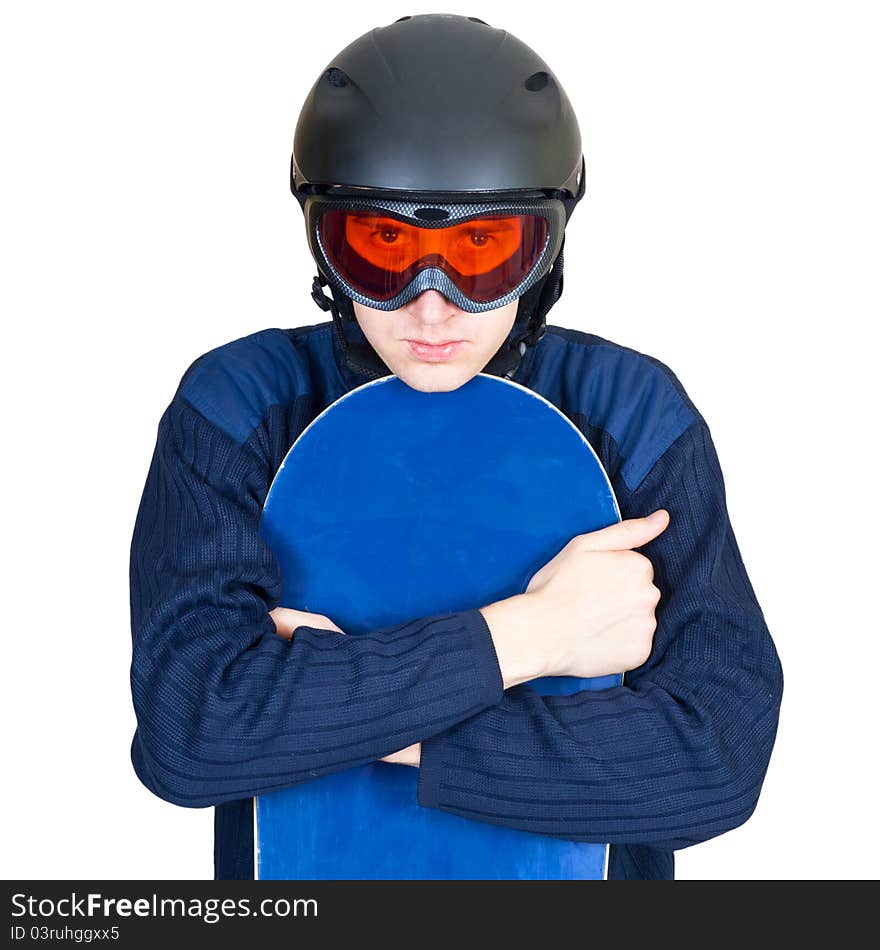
pixel 181 750
pixel 735 798
pixel 707 816
pixel 714 819
pixel 743 743
pixel 723 764
pixel 173 782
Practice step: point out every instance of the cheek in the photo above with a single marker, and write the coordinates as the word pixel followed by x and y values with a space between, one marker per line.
pixel 382 335
pixel 377 328
pixel 498 326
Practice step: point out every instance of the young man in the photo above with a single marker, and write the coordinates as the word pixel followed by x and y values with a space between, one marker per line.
pixel 437 162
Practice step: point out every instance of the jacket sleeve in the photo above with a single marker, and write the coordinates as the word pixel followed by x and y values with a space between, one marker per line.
pixel 226 708
pixel 679 752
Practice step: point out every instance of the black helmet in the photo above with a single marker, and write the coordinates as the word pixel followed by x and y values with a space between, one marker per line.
pixel 437 110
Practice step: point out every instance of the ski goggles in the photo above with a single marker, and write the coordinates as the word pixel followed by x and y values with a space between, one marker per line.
pixel 481 256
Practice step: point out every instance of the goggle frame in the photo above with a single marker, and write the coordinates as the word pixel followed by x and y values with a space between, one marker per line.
pixel 433 214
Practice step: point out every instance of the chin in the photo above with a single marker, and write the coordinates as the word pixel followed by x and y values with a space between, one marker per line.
pixel 436 377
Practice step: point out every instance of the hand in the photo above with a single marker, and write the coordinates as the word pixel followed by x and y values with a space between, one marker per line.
pixel 599 595
pixel 287 620
pixel 411 755
pixel 588 612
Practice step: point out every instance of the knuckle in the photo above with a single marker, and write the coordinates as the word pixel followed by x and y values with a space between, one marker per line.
pixel 635 561
pixel 639 652
pixel 651 595
pixel 645 627
pixel 640 641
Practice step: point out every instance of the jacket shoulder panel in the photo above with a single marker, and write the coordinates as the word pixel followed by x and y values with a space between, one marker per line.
pixel 634 397
pixel 234 384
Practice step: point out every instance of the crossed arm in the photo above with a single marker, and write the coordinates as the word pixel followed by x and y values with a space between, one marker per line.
pixel 594 603
pixel 227 708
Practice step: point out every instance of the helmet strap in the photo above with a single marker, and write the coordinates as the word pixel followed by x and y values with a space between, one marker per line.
pixel 534 305
pixel 361 358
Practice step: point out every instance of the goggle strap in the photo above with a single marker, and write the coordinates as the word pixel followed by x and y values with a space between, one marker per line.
pixel 550 294
pixel 358 357
pixel 321 299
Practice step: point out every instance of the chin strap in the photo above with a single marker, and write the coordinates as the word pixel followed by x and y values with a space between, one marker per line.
pixel 359 357
pixel 528 329
pixel 531 320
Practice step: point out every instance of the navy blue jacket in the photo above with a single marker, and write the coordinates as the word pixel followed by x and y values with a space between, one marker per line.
pixel 227 709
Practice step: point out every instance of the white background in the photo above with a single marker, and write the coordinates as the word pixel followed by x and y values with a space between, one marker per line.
pixel 730 229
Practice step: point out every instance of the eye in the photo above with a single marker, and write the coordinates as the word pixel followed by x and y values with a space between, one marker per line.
pixel 388 235
pixel 478 238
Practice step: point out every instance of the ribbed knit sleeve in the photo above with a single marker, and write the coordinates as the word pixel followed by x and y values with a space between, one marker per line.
pixel 226 708
pixel 677 754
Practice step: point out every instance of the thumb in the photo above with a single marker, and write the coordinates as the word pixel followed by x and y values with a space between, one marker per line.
pixel 631 533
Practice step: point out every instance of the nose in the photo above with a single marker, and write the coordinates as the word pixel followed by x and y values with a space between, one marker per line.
pixel 431 308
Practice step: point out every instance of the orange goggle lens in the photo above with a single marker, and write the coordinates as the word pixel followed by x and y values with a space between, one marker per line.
pixel 486 257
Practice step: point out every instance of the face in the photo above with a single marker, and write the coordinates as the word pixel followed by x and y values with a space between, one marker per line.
pixel 431 344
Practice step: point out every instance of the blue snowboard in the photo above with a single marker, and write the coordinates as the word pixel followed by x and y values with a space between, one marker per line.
pixel 396 504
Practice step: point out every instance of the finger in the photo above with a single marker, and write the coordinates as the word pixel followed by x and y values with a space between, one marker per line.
pixel 317 622
pixel 329 625
pixel 287 619
pixel 631 533
pixel 326 623
pixel 536 580
pixel 281 625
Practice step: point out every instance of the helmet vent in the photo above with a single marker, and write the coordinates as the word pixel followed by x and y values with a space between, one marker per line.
pixel 402 18
pixel 336 77
pixel 431 214
pixel 537 81
pixel 475 19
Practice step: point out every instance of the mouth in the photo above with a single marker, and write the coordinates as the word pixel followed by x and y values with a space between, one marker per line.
pixel 435 352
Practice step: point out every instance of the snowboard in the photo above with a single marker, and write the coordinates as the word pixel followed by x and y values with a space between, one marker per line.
pixel 396 504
